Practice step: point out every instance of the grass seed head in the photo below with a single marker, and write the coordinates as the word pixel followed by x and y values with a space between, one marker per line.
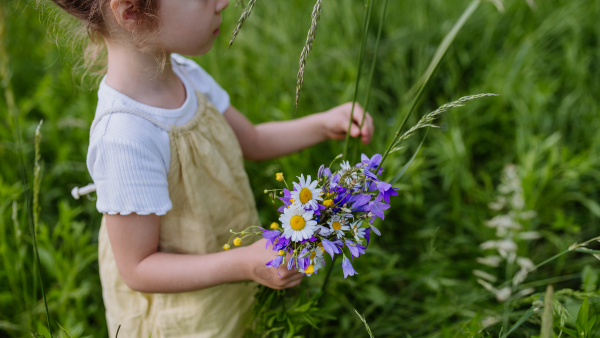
pixel 310 38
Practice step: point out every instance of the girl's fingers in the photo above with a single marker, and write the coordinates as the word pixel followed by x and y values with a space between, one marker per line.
pixel 293 283
pixel 355 130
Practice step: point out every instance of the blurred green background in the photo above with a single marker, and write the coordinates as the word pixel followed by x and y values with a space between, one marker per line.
pixel 416 280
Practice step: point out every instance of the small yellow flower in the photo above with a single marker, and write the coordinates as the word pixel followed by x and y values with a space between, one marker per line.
pixel 281 253
pixel 279 177
pixel 274 226
pixel 237 241
pixel 328 203
pixel 226 247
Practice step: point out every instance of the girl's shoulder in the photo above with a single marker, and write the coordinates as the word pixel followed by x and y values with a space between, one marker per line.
pixel 202 81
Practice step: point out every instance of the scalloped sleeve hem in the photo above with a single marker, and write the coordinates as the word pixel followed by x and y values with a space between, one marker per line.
pixel 130 177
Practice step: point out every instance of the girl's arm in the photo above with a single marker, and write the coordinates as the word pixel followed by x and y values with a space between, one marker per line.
pixel 134 241
pixel 274 139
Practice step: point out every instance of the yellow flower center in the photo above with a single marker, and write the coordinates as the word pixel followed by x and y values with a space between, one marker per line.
pixel 281 252
pixel 309 270
pixel 274 226
pixel 297 222
pixel 336 225
pixel 313 255
pixel 328 203
pixel 305 195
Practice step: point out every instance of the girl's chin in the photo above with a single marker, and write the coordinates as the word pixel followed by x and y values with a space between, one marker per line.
pixel 195 51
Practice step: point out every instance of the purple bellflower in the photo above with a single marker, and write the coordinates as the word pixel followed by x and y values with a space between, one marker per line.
pixel 361 203
pixel 355 249
pixel 347 267
pixel 330 247
pixel 281 243
pixel 385 191
pixel 270 236
pixel 377 208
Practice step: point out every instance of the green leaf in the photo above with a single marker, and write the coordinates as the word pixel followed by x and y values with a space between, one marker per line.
pixel 403 169
pixel 582 316
pixel 570 332
pixel 590 325
pixel 303 308
pixel 588 251
pixel 519 322
pixel 309 319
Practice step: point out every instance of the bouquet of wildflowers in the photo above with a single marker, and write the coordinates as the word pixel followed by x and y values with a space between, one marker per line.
pixel 331 214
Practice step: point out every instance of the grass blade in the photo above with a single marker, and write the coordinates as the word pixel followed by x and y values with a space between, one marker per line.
pixel 363 41
pixel 14 114
pixel 437 57
pixel 520 321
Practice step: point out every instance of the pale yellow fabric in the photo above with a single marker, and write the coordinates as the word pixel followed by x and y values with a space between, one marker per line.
pixel 211 194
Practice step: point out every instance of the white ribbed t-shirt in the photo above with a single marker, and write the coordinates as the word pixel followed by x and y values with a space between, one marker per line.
pixel 128 156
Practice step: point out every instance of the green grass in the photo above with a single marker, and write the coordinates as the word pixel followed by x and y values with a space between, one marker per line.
pixel 416 280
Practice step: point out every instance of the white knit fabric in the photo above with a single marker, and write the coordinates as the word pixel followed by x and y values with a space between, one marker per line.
pixel 129 156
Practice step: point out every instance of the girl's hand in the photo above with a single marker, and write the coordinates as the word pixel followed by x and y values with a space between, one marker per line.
pixel 336 121
pixel 258 256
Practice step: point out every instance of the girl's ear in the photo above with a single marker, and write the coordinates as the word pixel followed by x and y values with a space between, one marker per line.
pixel 126 13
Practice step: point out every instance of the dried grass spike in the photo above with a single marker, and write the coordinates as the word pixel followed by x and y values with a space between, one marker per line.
pixel 243 18
pixel 316 15
pixel 427 120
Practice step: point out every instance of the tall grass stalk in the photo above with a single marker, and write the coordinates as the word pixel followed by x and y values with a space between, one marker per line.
pixel 366 22
pixel 437 57
pixel 547 320
pixel 372 72
pixel 362 319
pixel 14 114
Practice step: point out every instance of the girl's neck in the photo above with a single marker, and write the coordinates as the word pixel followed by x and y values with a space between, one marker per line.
pixel 141 77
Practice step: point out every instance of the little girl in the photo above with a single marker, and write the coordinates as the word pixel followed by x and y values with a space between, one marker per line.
pixel 166 155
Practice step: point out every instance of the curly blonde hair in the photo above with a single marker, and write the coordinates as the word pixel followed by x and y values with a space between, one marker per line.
pixel 91 15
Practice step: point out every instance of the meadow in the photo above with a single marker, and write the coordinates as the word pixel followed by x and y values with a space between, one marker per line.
pixel 418 281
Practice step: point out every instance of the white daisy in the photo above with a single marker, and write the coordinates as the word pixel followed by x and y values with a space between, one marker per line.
pixel 306 194
pixel 316 260
pixel 336 225
pixel 352 177
pixel 325 231
pixel 358 231
pixel 297 224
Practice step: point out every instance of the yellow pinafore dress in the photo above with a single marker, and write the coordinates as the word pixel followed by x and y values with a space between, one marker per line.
pixel 211 194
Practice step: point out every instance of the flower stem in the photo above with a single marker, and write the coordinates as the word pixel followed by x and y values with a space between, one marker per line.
pixel 372 72
pixel 363 41
pixel 327 276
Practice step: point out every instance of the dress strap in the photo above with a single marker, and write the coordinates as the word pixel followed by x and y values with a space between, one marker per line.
pixel 127 110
